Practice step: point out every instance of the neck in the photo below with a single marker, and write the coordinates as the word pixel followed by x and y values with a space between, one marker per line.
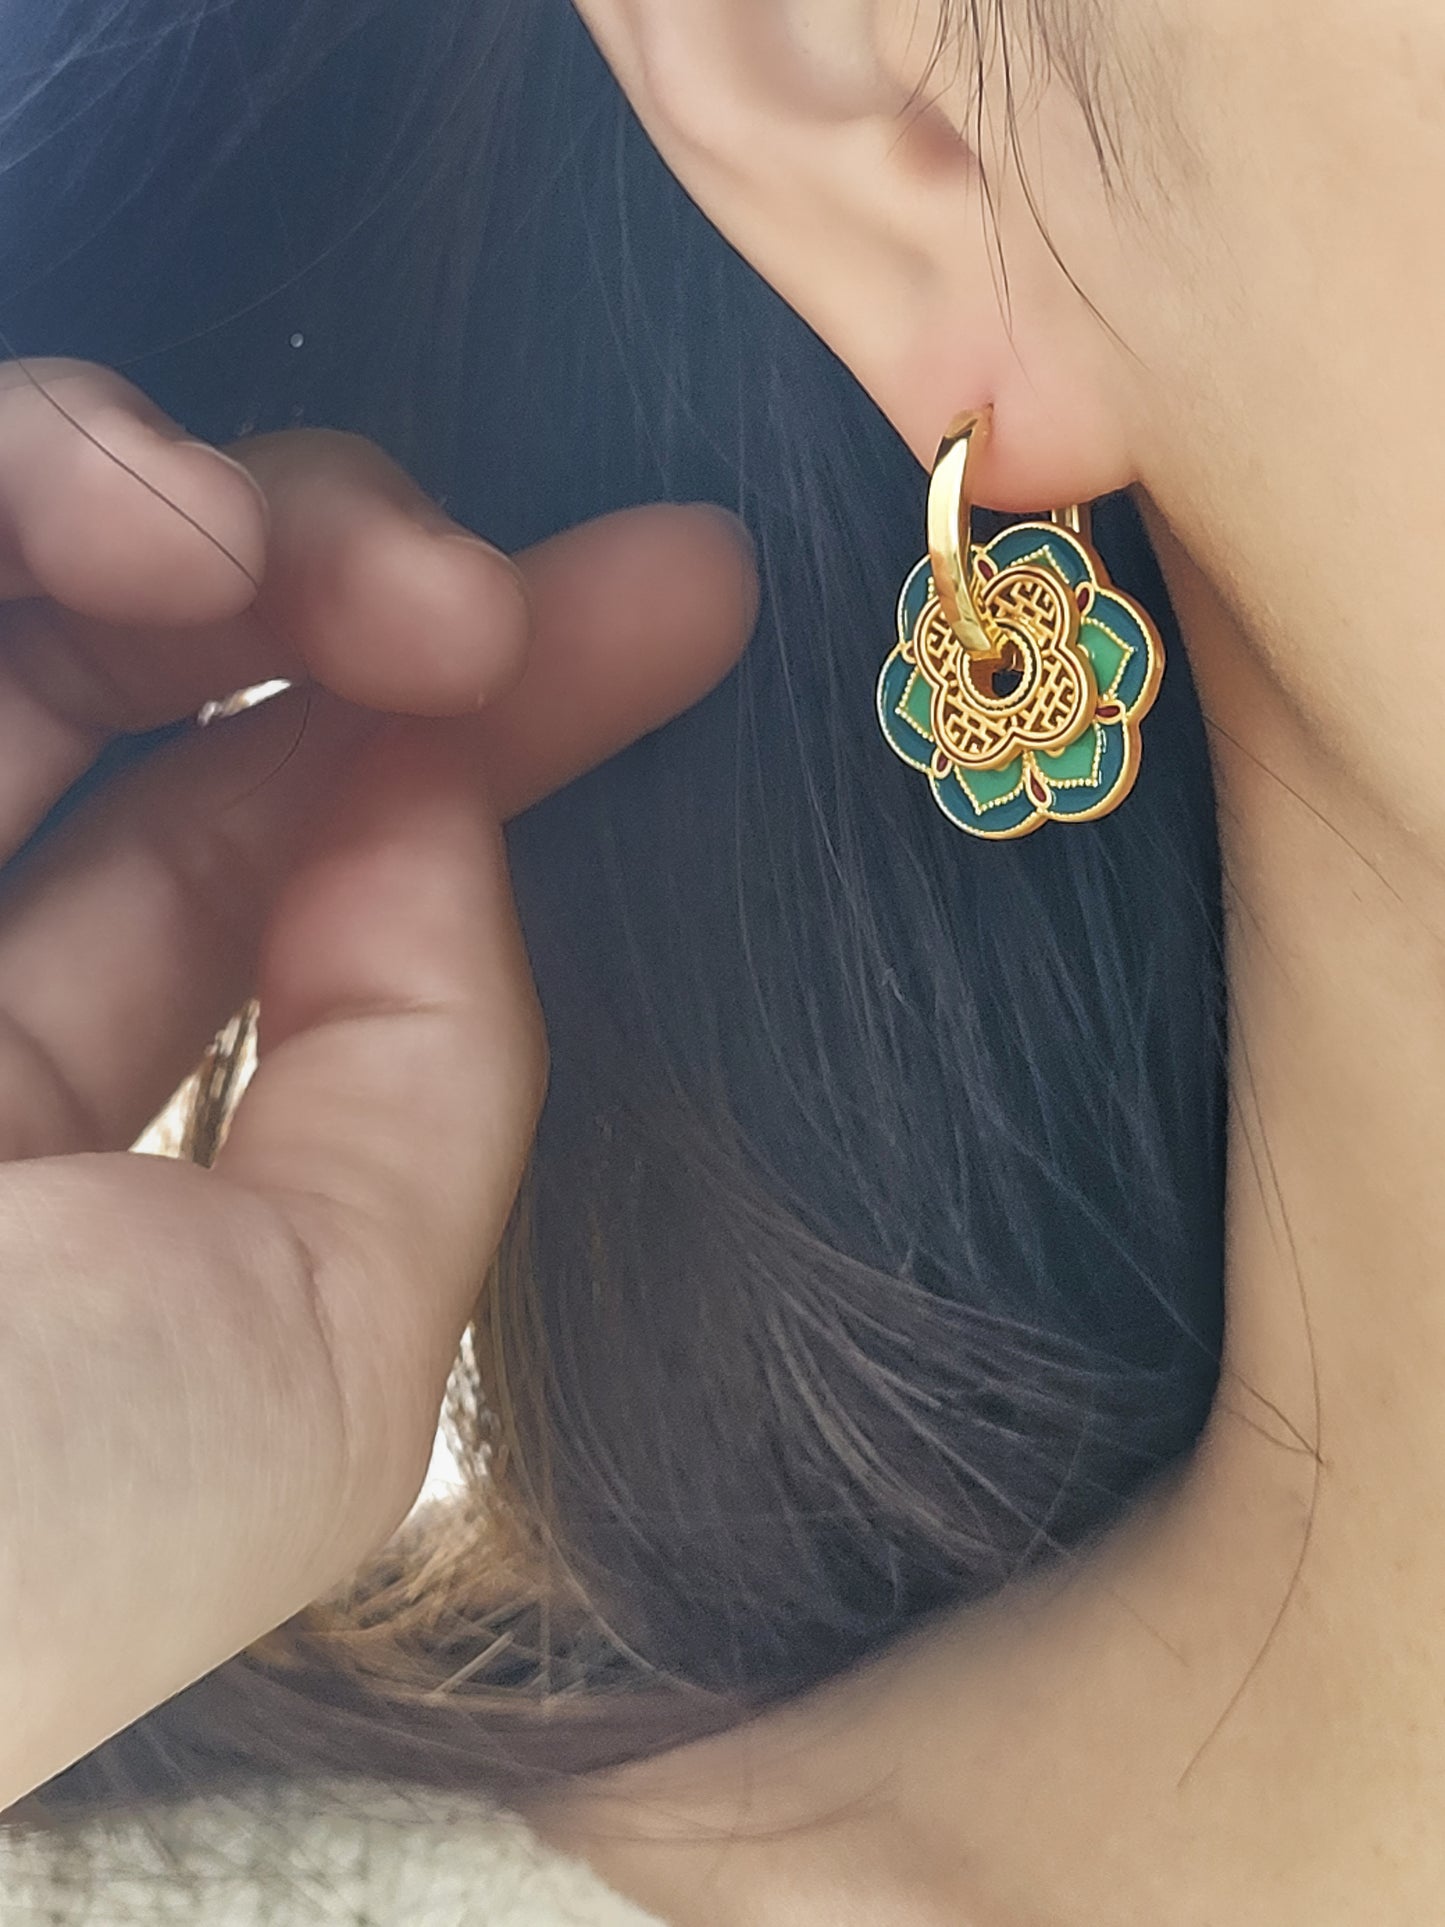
pixel 1218 1714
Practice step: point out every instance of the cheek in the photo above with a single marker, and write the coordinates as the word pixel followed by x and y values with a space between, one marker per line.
pixel 1302 164
pixel 1284 258
pixel 1289 344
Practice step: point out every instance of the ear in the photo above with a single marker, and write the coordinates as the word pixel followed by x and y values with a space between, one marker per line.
pixel 887 199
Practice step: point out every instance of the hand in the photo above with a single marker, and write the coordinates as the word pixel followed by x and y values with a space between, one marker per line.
pixel 220 1388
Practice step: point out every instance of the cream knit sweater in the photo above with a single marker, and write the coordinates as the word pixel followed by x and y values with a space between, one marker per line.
pixel 333 1856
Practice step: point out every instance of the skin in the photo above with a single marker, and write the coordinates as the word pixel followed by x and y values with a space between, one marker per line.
pixel 1231 1711
pixel 223 1385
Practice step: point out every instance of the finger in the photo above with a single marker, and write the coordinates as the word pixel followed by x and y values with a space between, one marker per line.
pixel 106 506
pixel 369 588
pixel 386 600
pixel 70 684
pixel 264 1347
pixel 132 936
pixel 401 1064
pixel 576 648
pixel 167 874
pixel 636 617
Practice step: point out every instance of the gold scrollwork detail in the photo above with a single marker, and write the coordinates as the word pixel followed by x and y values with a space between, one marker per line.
pixel 1033 689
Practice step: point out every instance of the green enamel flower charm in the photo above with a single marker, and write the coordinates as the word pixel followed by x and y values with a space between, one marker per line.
pixel 1047 727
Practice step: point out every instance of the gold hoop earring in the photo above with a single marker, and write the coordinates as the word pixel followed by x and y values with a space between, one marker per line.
pixel 1021 675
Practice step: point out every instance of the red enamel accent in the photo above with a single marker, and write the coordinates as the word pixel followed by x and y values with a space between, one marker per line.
pixel 1038 790
pixel 1109 713
pixel 988 570
pixel 1084 596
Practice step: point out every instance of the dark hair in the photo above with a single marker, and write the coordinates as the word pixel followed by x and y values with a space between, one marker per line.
pixel 871 1252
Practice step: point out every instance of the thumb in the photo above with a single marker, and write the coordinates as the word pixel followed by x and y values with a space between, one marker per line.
pixel 401 1070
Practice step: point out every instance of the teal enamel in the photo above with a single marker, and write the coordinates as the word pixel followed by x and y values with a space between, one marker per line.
pixel 1080 763
pixel 956 804
pixel 1114 614
pixel 1027 540
pixel 1079 779
pixel 909 743
pixel 1077 802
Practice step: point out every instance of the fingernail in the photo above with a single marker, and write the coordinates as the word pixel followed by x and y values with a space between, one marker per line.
pixel 455 533
pixel 437 522
pixel 432 517
pixel 465 539
pixel 506 636
pixel 219 454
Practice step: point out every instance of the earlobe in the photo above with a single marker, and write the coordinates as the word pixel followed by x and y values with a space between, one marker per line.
pixel 1061 433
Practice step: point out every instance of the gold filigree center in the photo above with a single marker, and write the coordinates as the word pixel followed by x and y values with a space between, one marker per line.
pixel 1034 690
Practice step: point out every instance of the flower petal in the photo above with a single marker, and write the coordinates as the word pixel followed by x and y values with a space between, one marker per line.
pixel 1119 623
pixel 1110 654
pixel 896 690
pixel 1001 819
pixel 916 591
pixel 1077 766
pixel 1042 541
pixel 1080 799
pixel 987 789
